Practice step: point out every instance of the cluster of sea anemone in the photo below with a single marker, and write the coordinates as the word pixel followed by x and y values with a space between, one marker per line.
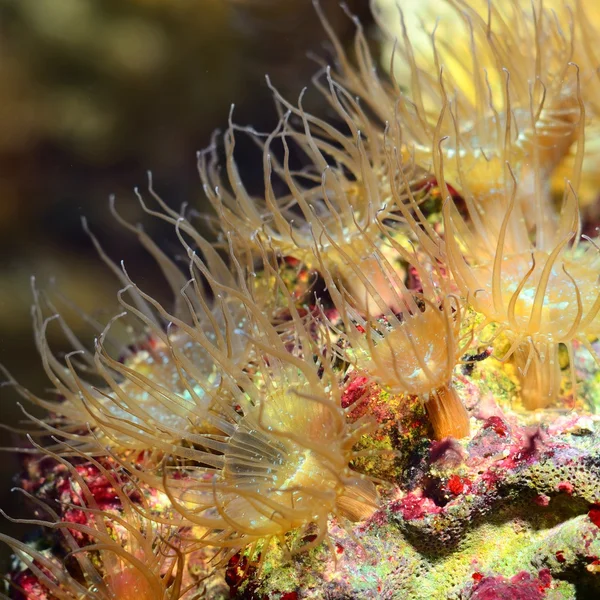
pixel 395 241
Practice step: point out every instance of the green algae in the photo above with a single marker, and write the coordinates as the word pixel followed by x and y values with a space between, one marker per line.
pixel 401 571
pixel 393 568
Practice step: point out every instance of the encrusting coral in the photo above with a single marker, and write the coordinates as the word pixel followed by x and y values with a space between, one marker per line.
pixel 364 382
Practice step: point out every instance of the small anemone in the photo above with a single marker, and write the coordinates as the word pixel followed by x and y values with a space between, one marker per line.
pixel 411 342
pixel 539 292
pixel 153 393
pixel 117 555
pixel 507 67
pixel 343 184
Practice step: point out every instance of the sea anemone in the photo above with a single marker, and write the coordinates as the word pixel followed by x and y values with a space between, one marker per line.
pixel 152 394
pixel 539 294
pixel 577 19
pixel 252 445
pixel 510 83
pixel 342 184
pixel 278 460
pixel 110 555
pixel 412 344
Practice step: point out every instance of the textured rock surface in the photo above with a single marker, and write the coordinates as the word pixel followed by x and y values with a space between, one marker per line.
pixel 513 512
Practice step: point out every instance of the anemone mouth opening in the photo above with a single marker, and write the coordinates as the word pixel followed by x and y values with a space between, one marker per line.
pixel 411 358
pixel 129 585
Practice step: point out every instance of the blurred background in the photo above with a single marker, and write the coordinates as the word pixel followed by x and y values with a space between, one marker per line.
pixel 93 93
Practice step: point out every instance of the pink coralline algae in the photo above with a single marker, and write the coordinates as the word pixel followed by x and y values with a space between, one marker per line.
pixel 506 466
pixel 520 587
pixel 594 514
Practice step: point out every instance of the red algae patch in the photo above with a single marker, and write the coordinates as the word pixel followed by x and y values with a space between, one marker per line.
pixel 594 515
pixel 522 586
pixel 414 507
pixel 457 484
